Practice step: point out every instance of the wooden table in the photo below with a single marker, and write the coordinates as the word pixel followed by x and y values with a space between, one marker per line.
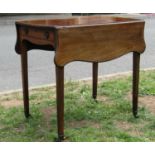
pixel 92 39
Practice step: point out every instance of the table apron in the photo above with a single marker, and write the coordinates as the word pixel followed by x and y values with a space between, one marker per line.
pixel 99 44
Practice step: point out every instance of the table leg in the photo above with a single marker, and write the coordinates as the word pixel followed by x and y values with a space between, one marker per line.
pixel 95 79
pixel 24 67
pixel 60 101
pixel 136 63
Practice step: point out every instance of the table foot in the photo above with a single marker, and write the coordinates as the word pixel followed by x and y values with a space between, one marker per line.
pixel 60 138
pixel 94 97
pixel 28 115
pixel 135 114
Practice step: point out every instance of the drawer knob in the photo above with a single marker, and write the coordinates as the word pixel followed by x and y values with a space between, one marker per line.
pixel 46 35
pixel 26 31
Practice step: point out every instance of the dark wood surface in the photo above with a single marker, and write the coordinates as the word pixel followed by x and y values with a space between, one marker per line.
pixel 135 83
pixel 107 37
pixel 90 38
pixel 94 79
pixel 60 101
pixel 77 21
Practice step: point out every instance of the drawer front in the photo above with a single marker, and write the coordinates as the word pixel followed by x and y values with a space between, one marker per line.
pixel 38 34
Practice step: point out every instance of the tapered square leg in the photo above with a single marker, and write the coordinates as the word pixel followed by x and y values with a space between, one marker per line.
pixel 60 101
pixel 95 79
pixel 24 66
pixel 136 63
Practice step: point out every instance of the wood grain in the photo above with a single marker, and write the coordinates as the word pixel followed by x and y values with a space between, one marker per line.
pixel 93 39
pixel 99 43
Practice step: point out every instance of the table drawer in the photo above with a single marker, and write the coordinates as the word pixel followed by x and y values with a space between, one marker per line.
pixel 37 34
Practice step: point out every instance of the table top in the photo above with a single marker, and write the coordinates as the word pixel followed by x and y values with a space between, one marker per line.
pixel 78 21
pixel 86 38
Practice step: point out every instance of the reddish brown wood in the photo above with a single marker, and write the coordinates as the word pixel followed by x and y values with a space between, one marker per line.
pixel 99 43
pixel 95 79
pixel 60 101
pixel 76 21
pixel 24 66
pixel 93 39
pixel 107 37
pixel 136 63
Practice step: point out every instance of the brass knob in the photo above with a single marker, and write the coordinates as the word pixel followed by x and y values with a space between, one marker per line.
pixel 46 34
pixel 26 31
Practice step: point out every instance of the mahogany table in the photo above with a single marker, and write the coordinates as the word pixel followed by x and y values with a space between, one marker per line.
pixel 92 39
